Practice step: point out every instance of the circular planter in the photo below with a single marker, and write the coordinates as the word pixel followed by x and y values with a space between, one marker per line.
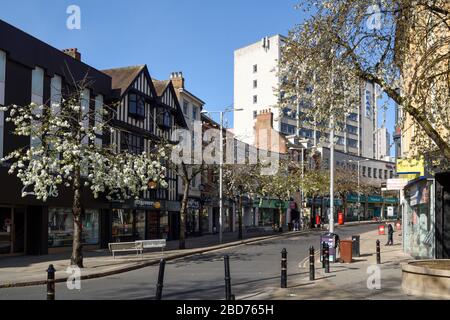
pixel 428 278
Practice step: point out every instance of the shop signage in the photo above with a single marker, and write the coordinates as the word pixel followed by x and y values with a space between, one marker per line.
pixel 140 204
pixel 375 199
pixel 52 192
pixel 147 204
pixel 193 204
pixel 396 184
pixel 371 199
pixel 411 168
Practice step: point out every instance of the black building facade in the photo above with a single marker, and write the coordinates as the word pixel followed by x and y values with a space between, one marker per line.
pixel 32 71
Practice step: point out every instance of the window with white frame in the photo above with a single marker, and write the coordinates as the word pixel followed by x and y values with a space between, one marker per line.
pixel 194 112
pixel 55 93
pixel 2 96
pixel 85 99
pixel 98 119
pixel 185 107
pixel 37 96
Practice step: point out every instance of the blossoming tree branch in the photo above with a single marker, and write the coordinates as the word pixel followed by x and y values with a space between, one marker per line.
pixel 65 151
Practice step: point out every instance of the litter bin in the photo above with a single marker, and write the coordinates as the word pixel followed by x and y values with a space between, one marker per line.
pixel 346 251
pixel 356 246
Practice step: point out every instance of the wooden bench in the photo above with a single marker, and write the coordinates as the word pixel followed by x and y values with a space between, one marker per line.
pixel 137 247
pixel 151 244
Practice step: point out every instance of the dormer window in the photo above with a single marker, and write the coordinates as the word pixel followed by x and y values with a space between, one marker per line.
pixel 136 105
pixel 165 119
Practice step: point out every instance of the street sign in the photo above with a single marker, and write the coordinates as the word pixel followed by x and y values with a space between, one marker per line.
pixel 390 211
pixel 396 184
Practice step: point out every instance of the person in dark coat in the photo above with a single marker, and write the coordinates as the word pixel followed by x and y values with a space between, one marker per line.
pixel 390 235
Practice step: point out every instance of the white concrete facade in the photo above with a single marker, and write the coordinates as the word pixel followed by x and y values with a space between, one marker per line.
pixel 255 89
pixel 255 75
pixel 383 141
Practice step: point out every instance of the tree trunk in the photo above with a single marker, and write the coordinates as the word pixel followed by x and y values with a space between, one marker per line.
pixel 241 208
pixel 182 242
pixel 281 219
pixel 77 247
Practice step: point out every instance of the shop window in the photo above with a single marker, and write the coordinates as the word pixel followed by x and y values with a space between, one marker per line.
pixel 128 225
pixel 2 96
pixel 5 230
pixel 60 227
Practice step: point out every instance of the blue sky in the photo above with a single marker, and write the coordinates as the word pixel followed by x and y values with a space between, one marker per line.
pixel 197 37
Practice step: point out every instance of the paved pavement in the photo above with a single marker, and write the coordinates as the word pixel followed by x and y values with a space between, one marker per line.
pixel 349 281
pixel 30 270
pixel 255 268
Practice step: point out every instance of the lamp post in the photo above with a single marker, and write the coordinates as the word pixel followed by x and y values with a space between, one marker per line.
pixel 221 167
pixel 305 147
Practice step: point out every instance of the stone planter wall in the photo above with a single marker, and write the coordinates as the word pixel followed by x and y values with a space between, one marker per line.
pixel 427 278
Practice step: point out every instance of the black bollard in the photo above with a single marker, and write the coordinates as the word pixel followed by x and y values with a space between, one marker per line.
pixel 51 282
pixel 284 268
pixel 228 295
pixel 378 252
pixel 323 255
pixel 160 285
pixel 312 275
pixel 327 258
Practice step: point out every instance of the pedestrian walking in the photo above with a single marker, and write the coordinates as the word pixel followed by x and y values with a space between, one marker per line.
pixel 390 235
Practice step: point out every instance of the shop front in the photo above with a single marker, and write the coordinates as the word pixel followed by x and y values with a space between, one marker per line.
pixel 193 217
pixel 370 207
pixel 137 220
pixel 12 230
pixel 321 207
pixel 269 212
pixel 30 226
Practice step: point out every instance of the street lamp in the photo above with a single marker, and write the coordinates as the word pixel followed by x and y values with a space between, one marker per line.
pixel 221 167
pixel 359 174
pixel 305 147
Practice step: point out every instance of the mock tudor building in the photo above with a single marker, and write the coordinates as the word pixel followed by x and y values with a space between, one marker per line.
pixel 147 112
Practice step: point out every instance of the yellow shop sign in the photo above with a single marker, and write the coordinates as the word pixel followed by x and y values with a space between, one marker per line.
pixel 411 168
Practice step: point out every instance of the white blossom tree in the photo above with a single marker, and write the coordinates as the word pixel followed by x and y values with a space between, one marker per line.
pixel 403 46
pixel 240 180
pixel 64 153
pixel 281 186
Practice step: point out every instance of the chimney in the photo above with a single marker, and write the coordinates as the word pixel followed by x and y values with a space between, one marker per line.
pixel 73 52
pixel 177 80
pixel 264 120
